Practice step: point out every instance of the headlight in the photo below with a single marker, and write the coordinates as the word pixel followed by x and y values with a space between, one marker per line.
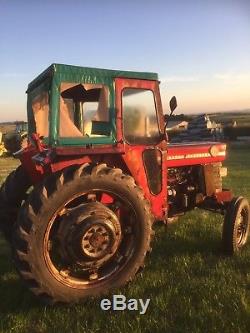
pixel 214 151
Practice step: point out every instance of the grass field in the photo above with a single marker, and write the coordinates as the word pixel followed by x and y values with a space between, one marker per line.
pixel 192 287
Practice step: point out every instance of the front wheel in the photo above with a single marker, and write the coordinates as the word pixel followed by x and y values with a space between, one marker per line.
pixel 236 225
pixel 84 231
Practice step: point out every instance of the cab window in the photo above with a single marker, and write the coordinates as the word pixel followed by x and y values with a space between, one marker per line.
pixel 140 124
pixel 83 110
pixel 40 108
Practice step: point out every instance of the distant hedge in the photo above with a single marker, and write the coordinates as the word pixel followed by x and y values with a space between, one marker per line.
pixel 173 133
pixel 233 132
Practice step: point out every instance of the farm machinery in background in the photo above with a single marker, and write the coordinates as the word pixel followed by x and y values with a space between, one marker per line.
pixel 17 139
pixel 97 173
pixel 3 150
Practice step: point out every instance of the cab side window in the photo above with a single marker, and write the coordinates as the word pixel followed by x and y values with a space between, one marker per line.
pixel 83 108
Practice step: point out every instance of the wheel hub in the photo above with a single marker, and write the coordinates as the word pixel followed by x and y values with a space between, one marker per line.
pixel 89 235
pixel 98 238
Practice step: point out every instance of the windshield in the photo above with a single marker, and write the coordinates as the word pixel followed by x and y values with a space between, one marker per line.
pixel 140 124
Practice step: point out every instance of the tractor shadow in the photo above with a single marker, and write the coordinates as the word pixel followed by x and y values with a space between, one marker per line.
pixel 14 297
pixel 184 256
pixel 175 240
pixel 17 300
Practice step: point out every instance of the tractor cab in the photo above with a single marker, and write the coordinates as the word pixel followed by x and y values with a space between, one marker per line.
pixel 78 106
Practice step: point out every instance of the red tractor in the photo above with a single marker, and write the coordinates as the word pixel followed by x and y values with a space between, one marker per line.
pixel 97 173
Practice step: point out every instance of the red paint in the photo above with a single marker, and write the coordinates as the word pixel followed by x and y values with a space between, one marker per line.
pixel 37 141
pixel 105 149
pixel 223 196
pixel 106 199
pixel 34 171
pixel 193 148
pixel 60 164
pixel 133 153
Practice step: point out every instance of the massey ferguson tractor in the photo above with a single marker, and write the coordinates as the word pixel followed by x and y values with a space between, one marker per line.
pixel 97 173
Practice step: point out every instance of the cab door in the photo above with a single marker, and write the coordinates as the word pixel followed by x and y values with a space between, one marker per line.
pixel 140 128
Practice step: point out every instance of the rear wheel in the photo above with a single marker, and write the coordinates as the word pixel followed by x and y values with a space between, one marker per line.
pixel 236 225
pixel 84 231
pixel 12 193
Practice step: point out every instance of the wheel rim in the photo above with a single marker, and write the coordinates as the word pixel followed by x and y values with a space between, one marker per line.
pixel 242 226
pixel 106 244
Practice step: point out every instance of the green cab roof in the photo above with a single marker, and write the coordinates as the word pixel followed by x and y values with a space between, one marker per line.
pixel 77 71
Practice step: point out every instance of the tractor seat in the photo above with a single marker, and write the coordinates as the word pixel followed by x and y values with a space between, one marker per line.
pixel 87 127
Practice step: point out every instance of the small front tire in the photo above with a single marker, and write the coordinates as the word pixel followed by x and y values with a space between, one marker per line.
pixel 236 225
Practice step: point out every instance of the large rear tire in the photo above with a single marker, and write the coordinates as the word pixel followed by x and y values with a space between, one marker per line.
pixel 84 231
pixel 12 193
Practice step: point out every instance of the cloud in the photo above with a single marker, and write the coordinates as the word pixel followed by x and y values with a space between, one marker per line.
pixel 180 79
pixel 230 77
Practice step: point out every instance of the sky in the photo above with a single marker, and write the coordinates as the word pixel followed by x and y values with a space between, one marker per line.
pixel 200 49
